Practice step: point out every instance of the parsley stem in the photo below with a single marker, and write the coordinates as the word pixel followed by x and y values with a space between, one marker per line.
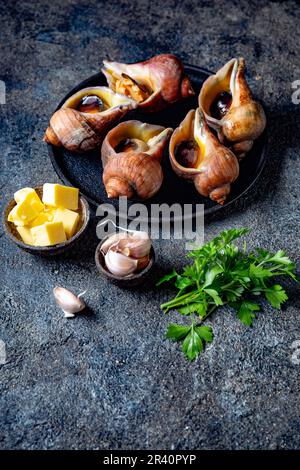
pixel 209 313
pixel 180 300
pixel 228 285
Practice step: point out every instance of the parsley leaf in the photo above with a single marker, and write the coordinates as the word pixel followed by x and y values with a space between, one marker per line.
pixel 258 272
pixel 211 275
pixel 205 333
pixel 183 282
pixel 214 294
pixel 167 277
pixel 245 312
pixel 276 295
pixel 195 307
pixel 192 345
pixel 194 338
pixel 177 332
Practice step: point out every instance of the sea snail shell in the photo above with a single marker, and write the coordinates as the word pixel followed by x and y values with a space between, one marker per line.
pixel 197 155
pixel 78 126
pixel 131 155
pixel 154 83
pixel 241 119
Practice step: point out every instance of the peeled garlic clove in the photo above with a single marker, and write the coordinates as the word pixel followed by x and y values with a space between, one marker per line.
pixel 68 302
pixel 119 264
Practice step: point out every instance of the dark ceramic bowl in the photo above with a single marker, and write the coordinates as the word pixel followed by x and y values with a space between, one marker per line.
pixel 131 281
pixel 11 232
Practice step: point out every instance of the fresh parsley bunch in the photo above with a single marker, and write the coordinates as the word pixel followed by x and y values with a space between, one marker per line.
pixel 222 274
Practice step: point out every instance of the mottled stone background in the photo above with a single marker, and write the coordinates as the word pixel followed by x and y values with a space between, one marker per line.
pixel 108 380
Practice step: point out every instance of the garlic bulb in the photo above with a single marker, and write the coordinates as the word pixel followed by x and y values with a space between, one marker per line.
pixel 126 253
pixel 68 302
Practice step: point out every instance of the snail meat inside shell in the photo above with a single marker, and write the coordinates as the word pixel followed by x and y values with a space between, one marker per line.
pixel 91 104
pixel 126 85
pixel 221 104
pixel 128 144
pixel 187 153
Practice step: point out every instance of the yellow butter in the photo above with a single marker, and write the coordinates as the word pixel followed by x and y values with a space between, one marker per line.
pixel 41 219
pixel 26 210
pixel 50 233
pixel 34 201
pixel 60 196
pixel 30 197
pixel 49 210
pixel 19 195
pixel 25 234
pixel 69 219
pixel 11 217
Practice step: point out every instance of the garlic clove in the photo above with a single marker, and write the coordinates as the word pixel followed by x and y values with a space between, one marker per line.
pixel 143 262
pixel 135 247
pixel 139 235
pixel 68 302
pixel 112 240
pixel 119 264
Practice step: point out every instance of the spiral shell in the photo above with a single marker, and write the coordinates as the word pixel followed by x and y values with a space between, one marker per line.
pixel 212 167
pixel 154 83
pixel 244 120
pixel 80 131
pixel 131 154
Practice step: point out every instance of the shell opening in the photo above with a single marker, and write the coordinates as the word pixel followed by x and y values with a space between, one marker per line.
pixel 136 138
pixel 131 145
pixel 94 100
pixel 129 86
pixel 220 105
pixel 91 104
pixel 218 97
pixel 187 154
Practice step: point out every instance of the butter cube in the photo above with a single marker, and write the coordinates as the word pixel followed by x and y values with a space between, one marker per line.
pixel 20 195
pixel 26 210
pixel 30 197
pixel 50 233
pixel 25 234
pixel 69 219
pixel 11 217
pixel 41 219
pixel 60 196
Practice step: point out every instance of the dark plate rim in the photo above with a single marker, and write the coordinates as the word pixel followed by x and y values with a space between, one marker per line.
pixel 207 211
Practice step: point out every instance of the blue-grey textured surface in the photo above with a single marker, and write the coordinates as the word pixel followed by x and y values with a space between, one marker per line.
pixel 108 380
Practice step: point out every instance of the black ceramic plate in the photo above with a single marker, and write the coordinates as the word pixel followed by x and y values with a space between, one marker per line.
pixel 84 171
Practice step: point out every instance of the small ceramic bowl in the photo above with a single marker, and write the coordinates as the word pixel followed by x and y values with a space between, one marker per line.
pixel 131 281
pixel 11 232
